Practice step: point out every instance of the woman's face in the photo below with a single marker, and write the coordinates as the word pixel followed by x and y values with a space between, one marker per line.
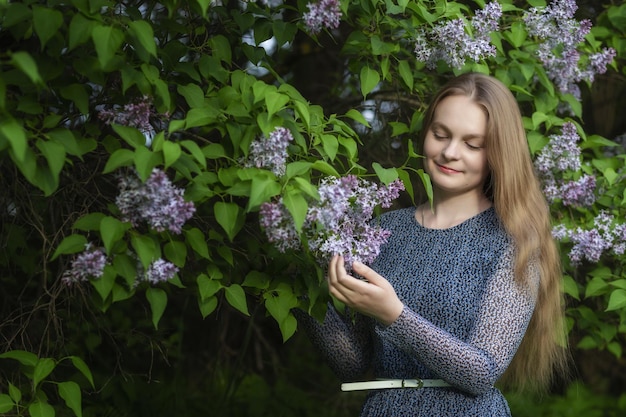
pixel 454 151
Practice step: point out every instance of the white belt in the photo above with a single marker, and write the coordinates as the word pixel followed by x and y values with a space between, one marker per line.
pixel 394 383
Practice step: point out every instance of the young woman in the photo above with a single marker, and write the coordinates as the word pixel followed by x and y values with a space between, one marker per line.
pixel 466 292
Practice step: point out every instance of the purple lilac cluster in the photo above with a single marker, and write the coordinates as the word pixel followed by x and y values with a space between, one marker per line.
pixel 605 235
pixel 156 202
pixel 339 223
pixel 562 153
pixel 271 153
pixel 160 271
pixel 560 35
pixel 451 42
pixel 88 264
pixel 137 114
pixel 323 14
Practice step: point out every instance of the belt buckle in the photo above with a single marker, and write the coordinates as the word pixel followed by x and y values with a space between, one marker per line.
pixel 420 383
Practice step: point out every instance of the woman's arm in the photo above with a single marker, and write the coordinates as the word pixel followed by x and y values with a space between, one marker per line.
pixel 474 365
pixel 344 343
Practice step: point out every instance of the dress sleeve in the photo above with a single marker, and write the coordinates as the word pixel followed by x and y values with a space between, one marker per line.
pixel 476 364
pixel 344 342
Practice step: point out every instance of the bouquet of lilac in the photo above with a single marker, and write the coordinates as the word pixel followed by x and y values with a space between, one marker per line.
pixel 338 223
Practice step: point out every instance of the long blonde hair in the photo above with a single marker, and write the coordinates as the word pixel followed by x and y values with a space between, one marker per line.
pixel 521 206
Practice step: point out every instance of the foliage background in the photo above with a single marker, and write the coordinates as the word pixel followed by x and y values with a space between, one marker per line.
pixel 219 339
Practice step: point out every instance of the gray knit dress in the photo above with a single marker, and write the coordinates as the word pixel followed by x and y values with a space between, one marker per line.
pixel 463 320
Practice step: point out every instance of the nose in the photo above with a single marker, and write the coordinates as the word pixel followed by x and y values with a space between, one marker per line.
pixel 451 150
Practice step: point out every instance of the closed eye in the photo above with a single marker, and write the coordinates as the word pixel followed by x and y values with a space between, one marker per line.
pixel 473 147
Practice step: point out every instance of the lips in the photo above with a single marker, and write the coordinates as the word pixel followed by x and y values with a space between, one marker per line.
pixel 446 170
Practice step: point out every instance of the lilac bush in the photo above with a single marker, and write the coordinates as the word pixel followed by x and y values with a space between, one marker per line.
pixel 323 14
pixel 271 152
pixel 450 41
pixel 160 271
pixel 339 223
pixel 560 155
pixel 88 264
pixel 559 35
pixel 156 202
pixel 136 114
pixel 606 234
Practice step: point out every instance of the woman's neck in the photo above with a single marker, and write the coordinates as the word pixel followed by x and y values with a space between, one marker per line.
pixel 449 211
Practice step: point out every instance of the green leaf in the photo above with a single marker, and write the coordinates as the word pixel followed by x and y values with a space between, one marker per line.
pixel 14 393
pixel 90 221
pixel 70 392
pixel 587 342
pixel 176 252
pixel 257 279
pixel 23 357
pixel 236 297
pixel 24 62
pixel 263 188
pixel 171 152
pixel 157 298
pixel 220 48
pixel 145 248
pixel 297 206
pixel 617 300
pixel 195 151
pixel 14 133
pixel 306 186
pixel 146 161
pixel 325 168
pixel 80 30
pixel 517 35
pixel 275 101
pixel 288 327
pixel 112 230
pixel 357 116
pixel 78 95
pixel 284 32
pixel 595 287
pixel 119 158
pixel 108 41
pixel 405 73
pixel 386 175
pixel 83 368
pixel 279 303
pixel 126 267
pixel 70 244
pixel 104 284
pixel 43 368
pixel 330 145
pixel 214 151
pixel 55 156
pixel 196 239
pixel 6 403
pixel 207 306
pixel 201 116
pixel 207 287
pixel 193 94
pixel 40 408
pixel 571 287
pixel 229 216
pixel 131 135
pixel 46 23
pixel 142 31
pixel 369 80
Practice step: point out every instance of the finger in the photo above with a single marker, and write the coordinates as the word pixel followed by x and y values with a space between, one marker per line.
pixel 332 269
pixel 366 272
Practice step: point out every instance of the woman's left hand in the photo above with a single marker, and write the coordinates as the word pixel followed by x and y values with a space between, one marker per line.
pixel 375 297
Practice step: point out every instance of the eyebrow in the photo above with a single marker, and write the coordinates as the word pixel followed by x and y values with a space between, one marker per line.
pixel 439 125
